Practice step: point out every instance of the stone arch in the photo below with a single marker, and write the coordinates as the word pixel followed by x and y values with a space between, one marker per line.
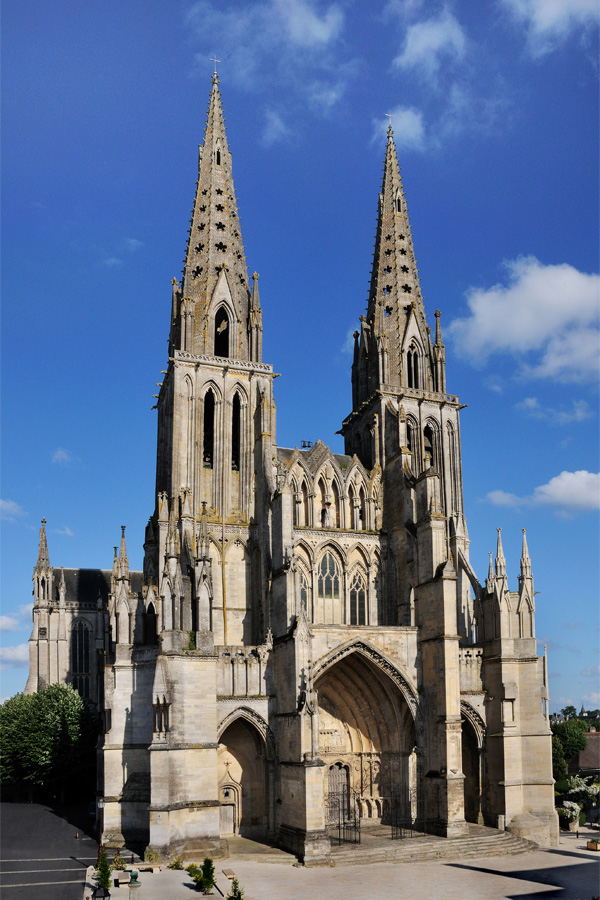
pixel 244 764
pixel 329 599
pixel 367 724
pixel 472 739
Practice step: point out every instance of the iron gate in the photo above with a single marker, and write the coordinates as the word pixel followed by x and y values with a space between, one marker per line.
pixel 342 816
pixel 406 813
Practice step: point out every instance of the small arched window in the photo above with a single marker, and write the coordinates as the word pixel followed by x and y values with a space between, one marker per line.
pixel 222 333
pixel 304 591
pixel 150 634
pixel 398 202
pixel 80 658
pixel 218 157
pixel 235 433
pixel 412 367
pixel 209 430
pixel 358 600
pixel 329 578
pixel 430 447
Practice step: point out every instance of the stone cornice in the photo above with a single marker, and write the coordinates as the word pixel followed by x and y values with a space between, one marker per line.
pixel 220 362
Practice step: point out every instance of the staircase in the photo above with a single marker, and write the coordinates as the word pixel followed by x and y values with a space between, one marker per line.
pixel 480 842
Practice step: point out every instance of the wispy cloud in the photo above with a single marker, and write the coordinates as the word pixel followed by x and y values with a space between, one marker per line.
pixel 569 492
pixel 14 656
pixel 550 22
pixel 532 407
pixel 546 315
pixel 9 623
pixel 133 244
pixel 66 531
pixel 25 610
pixel 591 671
pixel 63 457
pixel 409 129
pixel 593 699
pixel 294 42
pixel 275 129
pixel 429 42
pixel 112 262
pixel 11 511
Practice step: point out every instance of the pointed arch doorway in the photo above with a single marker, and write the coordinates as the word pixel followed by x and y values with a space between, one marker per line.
pixel 244 783
pixel 367 735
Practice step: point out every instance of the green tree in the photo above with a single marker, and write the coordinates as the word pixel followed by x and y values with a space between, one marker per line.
pixel 208 875
pixel 559 766
pixel 103 871
pixel 236 892
pixel 48 740
pixel 571 734
pixel 569 712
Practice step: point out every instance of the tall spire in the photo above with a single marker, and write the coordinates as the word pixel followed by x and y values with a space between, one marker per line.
pixel 500 561
pixel 395 312
pixel 215 264
pixel 43 559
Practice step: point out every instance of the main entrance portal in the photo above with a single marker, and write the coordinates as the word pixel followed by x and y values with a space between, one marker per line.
pixel 366 738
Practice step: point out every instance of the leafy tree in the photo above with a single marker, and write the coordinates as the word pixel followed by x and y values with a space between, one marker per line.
pixel 571 734
pixel 559 766
pixel 48 740
pixel 569 712
pixel 103 871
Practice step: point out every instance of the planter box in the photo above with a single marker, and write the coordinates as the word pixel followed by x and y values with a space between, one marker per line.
pixel 593 845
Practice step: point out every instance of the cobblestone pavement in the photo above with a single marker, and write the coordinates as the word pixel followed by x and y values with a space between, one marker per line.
pixel 571 872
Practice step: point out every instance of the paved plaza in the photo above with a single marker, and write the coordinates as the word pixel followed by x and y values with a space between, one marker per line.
pixel 43 857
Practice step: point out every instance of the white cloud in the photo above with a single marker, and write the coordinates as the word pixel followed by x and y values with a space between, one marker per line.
pixel 426 43
pixel 293 41
pixel 10 511
pixel 14 656
pixel 548 312
pixel 409 130
pixel 8 623
pixel 593 699
pixel 112 262
pixel 591 671
pixel 275 128
pixel 133 244
pixel 26 609
pixel 569 492
pixel 66 531
pixel 63 457
pixel 532 407
pixel 549 22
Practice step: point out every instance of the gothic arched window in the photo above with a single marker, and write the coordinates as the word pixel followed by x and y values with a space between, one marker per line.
pixel 235 433
pixel 150 634
pixel 208 447
pixel 80 658
pixel 304 592
pixel 329 578
pixel 358 600
pixel 398 202
pixel 222 333
pixel 412 367
pixel 431 447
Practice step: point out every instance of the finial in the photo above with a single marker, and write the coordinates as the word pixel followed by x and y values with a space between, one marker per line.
pixel 215 77
pixel 390 117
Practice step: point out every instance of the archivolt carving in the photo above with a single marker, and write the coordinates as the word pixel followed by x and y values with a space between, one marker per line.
pixel 244 712
pixel 471 714
pixel 380 660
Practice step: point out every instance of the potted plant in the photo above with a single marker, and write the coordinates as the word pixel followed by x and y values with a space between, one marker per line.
pixel 594 844
pixel 569 814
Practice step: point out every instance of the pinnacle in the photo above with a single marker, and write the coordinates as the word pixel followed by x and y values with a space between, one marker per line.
pixel 43 559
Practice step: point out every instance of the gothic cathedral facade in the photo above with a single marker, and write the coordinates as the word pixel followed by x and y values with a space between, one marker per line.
pixel 307 634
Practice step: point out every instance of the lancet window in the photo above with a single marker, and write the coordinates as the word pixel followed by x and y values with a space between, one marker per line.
pixel 235 433
pixel 80 658
pixel 412 367
pixel 329 578
pixel 208 448
pixel 222 333
pixel 358 602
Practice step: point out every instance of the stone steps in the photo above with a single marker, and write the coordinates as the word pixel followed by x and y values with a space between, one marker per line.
pixel 422 849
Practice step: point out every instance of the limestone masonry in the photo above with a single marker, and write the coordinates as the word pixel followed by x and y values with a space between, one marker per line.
pixel 307 645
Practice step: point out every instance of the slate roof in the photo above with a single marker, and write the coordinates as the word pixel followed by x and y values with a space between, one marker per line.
pixel 84 585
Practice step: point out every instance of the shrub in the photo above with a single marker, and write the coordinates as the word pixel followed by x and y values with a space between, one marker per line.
pixel 176 863
pixel 151 855
pixel 236 893
pixel 195 873
pixel 103 871
pixel 208 874
pixel 569 811
pixel 119 863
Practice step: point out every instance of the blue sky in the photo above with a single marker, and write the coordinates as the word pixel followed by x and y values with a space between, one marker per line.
pixel 495 113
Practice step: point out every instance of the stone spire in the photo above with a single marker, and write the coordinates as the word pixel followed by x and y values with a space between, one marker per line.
pixel 43 559
pixel 525 560
pixel 123 560
pixel 439 356
pixel 500 561
pixel 214 262
pixel 255 323
pixel 395 312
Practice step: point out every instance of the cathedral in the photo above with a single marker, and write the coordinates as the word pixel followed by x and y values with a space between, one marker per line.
pixel 307 644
